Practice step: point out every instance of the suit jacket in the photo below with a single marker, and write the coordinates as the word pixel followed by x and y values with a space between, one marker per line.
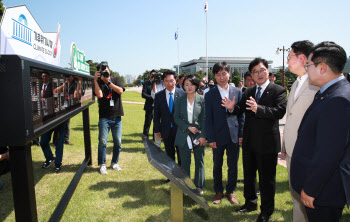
pixel 295 112
pixel 48 91
pixel 322 146
pixel 146 94
pixel 219 124
pixel 162 117
pixel 261 129
pixel 181 118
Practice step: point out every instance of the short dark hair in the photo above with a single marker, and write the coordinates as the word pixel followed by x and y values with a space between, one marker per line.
pixel 152 71
pixel 271 74
pixel 169 72
pixel 221 66
pixel 45 72
pixel 302 47
pixel 181 75
pixel 192 79
pixel 331 54
pixel 246 74
pixel 256 61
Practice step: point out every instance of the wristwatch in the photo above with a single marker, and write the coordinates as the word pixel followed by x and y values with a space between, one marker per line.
pixel 108 83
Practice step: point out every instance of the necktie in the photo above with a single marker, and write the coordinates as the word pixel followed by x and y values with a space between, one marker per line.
pixel 317 95
pixel 258 95
pixel 171 103
pixel 44 90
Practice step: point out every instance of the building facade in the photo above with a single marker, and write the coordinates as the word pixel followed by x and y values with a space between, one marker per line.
pixel 241 64
pixel 347 65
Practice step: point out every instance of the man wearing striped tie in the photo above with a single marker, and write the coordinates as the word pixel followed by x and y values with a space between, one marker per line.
pixel 263 105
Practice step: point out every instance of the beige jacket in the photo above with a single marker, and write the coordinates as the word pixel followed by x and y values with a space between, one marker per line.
pixel 295 112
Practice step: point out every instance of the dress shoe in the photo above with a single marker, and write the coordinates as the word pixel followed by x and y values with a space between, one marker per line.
pixel 217 198
pixel 68 142
pixel 232 198
pixel 167 182
pixel 247 208
pixel 263 218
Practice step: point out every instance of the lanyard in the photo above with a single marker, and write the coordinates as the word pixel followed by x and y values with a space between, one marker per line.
pixel 110 91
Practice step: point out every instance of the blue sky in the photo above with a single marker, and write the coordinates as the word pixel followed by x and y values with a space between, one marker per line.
pixel 134 36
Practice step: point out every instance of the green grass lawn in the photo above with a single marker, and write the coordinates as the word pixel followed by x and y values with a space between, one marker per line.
pixel 132 96
pixel 138 192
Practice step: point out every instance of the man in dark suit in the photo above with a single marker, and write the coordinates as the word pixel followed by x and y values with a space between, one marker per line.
pixel 223 132
pixel 180 80
pixel 164 124
pixel 248 81
pixel 321 158
pixel 146 94
pixel 263 105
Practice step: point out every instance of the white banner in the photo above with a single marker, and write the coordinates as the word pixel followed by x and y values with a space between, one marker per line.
pixel 22 35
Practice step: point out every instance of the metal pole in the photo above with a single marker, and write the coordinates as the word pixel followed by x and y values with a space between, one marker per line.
pixel 87 136
pixel 177 207
pixel 206 34
pixel 178 54
pixel 23 183
pixel 283 70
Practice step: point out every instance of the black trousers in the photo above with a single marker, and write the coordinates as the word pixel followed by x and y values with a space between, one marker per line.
pixel 266 166
pixel 148 121
pixel 170 146
pixel 323 214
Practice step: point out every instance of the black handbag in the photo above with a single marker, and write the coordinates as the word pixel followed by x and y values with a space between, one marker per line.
pixel 194 139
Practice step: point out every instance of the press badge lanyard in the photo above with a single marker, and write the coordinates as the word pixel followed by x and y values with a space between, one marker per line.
pixel 111 101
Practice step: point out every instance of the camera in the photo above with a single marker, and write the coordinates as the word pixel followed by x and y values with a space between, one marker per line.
pixel 157 77
pixel 103 71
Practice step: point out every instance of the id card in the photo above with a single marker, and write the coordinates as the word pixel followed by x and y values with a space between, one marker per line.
pixel 111 102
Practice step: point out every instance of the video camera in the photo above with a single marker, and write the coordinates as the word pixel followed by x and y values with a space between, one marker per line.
pixel 157 77
pixel 103 66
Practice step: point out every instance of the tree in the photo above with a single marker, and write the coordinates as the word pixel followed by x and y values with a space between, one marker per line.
pixel 123 80
pixel 236 80
pixel 236 77
pixel 289 78
pixel 93 66
pixel 2 9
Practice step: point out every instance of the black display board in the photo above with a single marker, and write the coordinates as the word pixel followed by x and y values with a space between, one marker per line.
pixel 174 172
pixel 36 97
pixel 33 103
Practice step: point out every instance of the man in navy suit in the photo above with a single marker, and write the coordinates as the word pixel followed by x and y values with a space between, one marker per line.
pixel 164 124
pixel 223 132
pixel 263 104
pixel 321 159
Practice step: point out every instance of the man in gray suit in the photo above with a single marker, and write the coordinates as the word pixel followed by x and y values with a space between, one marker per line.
pixel 300 97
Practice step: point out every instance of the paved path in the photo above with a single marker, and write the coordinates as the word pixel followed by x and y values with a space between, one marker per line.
pixel 281 158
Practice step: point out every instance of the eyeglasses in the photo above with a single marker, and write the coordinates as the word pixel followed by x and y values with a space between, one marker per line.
pixel 257 72
pixel 288 57
pixel 306 67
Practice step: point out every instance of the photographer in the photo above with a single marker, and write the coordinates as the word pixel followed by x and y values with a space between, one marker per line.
pixel 157 85
pixel 108 91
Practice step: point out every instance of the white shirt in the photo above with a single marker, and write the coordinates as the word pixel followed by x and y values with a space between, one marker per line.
pixel 224 92
pixel 168 96
pixel 263 87
pixel 189 111
pixel 301 81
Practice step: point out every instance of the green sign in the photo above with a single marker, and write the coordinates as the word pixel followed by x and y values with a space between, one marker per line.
pixel 78 60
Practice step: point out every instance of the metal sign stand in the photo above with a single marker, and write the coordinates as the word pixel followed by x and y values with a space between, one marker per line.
pixel 177 207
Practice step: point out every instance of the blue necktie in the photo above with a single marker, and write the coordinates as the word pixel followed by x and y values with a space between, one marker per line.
pixel 258 95
pixel 171 103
